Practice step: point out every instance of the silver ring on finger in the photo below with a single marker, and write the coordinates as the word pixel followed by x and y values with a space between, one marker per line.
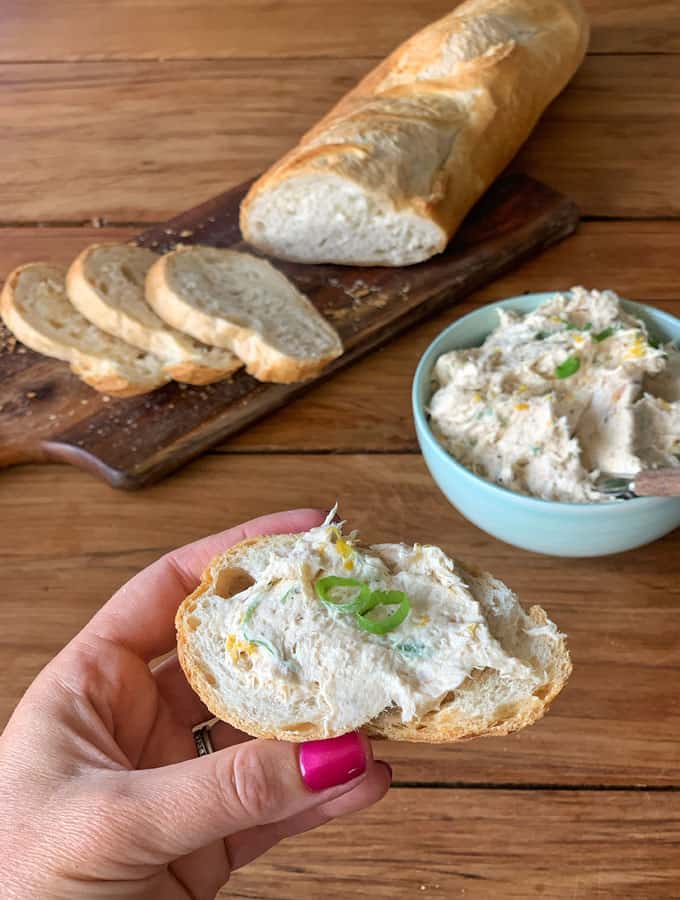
pixel 204 744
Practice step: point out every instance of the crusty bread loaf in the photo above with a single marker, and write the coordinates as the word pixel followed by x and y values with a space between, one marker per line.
pixel 265 654
pixel 35 308
pixel 106 284
pixel 242 303
pixel 388 175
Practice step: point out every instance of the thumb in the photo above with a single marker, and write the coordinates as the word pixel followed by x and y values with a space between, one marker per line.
pixel 188 805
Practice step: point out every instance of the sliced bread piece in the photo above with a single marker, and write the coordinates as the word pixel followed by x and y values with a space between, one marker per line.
pixel 106 284
pixel 36 310
pixel 242 303
pixel 267 655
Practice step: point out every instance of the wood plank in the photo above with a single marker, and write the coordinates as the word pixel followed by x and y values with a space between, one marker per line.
pixel 482 845
pixel 602 140
pixel 639 259
pixel 617 722
pixel 56 245
pixel 139 141
pixel 173 29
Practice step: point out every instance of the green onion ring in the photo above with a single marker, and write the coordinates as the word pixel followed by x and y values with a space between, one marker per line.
pixel 389 623
pixel 324 586
pixel 569 367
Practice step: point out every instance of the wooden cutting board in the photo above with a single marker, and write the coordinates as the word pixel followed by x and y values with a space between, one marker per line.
pixel 48 414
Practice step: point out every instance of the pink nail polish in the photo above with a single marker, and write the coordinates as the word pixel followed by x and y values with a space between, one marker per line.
pixel 325 764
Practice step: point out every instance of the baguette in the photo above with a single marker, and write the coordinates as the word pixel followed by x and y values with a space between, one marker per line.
pixel 243 304
pixel 389 174
pixel 265 654
pixel 35 308
pixel 106 284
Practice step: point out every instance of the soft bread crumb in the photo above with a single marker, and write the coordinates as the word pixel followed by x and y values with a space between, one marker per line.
pixel 36 309
pixel 242 303
pixel 106 283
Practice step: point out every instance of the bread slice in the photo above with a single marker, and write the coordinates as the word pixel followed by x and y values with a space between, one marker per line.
pixel 265 654
pixel 389 174
pixel 106 284
pixel 36 310
pixel 242 303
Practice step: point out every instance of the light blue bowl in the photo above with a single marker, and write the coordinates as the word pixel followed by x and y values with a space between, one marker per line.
pixel 544 526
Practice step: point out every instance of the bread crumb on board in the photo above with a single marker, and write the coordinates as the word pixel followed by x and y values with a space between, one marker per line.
pixel 7 340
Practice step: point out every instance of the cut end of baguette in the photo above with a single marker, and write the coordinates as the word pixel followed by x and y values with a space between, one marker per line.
pixel 388 175
pixel 319 218
pixel 106 285
pixel 265 654
pixel 37 311
pixel 242 303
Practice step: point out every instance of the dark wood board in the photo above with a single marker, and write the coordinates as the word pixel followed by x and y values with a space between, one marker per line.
pixel 47 414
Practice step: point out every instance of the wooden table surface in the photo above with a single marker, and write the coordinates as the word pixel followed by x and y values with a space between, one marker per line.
pixel 121 113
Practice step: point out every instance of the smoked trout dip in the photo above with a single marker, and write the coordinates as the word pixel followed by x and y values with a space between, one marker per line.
pixel 554 397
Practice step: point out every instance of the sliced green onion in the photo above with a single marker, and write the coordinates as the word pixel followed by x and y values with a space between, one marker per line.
pixel 653 343
pixel 411 649
pixel 541 335
pixel 288 594
pixel 265 644
pixel 389 623
pixel 248 615
pixel 568 368
pixel 324 586
pixel 603 335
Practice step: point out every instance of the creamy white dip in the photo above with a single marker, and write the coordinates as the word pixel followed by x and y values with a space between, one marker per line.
pixel 310 659
pixel 555 397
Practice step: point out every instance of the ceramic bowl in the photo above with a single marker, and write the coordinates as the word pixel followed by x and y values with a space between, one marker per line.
pixel 544 526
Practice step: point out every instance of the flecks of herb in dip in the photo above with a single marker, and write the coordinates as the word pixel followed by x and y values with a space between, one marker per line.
pixel 554 397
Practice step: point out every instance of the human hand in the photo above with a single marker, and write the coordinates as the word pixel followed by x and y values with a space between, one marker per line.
pixel 101 793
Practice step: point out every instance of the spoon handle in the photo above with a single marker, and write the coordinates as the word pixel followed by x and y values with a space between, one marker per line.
pixel 658 483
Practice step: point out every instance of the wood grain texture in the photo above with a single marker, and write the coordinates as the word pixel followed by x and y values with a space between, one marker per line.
pixel 47 413
pixel 482 845
pixel 134 142
pixel 637 258
pixel 174 29
pixel 70 541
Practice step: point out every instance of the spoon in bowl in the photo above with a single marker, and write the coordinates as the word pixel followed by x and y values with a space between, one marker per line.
pixel 648 483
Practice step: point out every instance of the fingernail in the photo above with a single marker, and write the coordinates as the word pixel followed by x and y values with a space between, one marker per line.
pixel 325 764
pixel 388 767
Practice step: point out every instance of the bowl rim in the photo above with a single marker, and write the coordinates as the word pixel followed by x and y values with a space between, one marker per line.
pixel 425 434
